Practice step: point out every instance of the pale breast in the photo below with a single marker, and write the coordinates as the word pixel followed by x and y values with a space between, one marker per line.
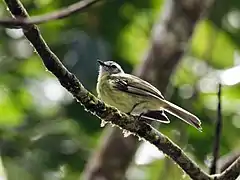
pixel 116 98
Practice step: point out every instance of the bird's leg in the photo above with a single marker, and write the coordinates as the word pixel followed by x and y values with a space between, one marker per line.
pixel 135 105
pixel 140 115
pixel 134 111
pixel 131 112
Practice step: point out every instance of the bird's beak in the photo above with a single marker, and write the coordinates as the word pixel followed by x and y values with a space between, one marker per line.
pixel 101 63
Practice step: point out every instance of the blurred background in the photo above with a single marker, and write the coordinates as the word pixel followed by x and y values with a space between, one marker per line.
pixel 45 134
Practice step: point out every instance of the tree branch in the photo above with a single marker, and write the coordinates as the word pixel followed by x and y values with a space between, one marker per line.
pixel 225 161
pixel 231 173
pixel 80 6
pixel 99 109
pixel 218 130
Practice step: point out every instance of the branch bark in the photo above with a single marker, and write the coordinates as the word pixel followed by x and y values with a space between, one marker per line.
pixel 106 113
pixel 231 173
pixel 170 36
pixel 225 161
pixel 80 6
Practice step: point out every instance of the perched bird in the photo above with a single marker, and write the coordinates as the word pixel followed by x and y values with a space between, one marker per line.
pixel 135 96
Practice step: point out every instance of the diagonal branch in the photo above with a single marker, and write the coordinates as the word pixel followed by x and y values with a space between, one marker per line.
pixel 225 161
pixel 231 173
pixel 80 6
pixel 99 109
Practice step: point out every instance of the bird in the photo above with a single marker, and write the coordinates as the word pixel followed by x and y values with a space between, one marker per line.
pixel 135 96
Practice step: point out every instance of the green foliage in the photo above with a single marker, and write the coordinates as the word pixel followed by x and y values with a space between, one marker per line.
pixel 45 134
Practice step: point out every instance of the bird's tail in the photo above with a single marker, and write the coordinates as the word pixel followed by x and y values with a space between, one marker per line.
pixel 182 114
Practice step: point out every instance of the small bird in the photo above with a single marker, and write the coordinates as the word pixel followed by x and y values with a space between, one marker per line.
pixel 134 96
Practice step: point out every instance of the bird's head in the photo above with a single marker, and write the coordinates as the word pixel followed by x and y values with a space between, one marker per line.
pixel 109 67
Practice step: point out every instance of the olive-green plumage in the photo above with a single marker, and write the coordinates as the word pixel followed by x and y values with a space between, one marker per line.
pixel 135 96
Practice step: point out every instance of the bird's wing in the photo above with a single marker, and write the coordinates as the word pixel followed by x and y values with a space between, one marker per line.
pixel 132 84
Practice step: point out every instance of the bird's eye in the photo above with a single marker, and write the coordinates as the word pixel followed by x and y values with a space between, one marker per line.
pixel 114 66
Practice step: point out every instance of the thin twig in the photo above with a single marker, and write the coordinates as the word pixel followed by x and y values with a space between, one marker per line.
pixel 80 6
pixel 218 131
pixel 99 109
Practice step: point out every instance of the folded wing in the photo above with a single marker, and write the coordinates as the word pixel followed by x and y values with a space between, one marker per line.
pixel 132 84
